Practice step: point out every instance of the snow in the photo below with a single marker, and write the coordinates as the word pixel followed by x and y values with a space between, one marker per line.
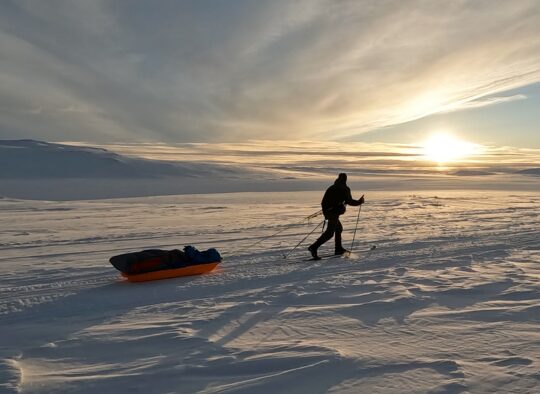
pixel 449 301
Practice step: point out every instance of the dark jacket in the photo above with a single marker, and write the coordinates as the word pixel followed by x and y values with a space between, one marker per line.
pixel 335 198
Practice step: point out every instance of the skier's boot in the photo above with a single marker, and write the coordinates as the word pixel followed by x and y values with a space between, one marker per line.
pixel 340 251
pixel 313 250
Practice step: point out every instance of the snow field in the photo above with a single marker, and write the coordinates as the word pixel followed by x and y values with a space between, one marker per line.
pixel 448 302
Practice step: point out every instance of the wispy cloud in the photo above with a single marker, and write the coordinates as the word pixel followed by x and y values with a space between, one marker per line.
pixel 483 102
pixel 315 159
pixel 205 70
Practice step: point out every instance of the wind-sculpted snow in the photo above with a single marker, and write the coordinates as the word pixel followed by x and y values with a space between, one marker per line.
pixel 449 301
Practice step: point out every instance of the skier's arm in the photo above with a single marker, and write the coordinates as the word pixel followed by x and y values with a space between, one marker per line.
pixel 352 202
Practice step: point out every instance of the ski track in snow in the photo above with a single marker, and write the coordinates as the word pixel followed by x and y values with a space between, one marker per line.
pixel 448 302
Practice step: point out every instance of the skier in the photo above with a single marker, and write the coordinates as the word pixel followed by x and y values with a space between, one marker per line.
pixel 333 205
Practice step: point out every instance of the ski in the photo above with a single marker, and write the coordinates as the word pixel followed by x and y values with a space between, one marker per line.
pixel 324 257
pixel 327 256
pixel 346 254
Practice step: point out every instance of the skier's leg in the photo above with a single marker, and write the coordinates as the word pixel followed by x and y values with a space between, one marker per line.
pixel 329 233
pixel 338 230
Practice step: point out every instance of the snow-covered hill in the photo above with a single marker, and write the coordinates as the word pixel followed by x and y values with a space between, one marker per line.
pixel 46 171
pixel 448 302
pixel 22 159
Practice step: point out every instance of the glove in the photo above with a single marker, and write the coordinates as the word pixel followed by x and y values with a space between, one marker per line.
pixel 361 200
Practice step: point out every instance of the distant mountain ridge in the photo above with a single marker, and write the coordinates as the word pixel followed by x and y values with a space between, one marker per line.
pixel 30 159
pixel 38 170
pixel 530 171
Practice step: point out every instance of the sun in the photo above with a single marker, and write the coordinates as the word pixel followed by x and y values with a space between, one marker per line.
pixel 443 147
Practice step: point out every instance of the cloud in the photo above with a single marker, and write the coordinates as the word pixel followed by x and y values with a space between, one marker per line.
pixel 206 71
pixel 330 158
pixel 484 102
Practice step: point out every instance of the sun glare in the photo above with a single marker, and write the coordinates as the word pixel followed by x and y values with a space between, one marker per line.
pixel 445 148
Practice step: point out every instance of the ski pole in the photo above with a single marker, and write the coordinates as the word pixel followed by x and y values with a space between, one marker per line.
pixel 303 239
pixel 355 227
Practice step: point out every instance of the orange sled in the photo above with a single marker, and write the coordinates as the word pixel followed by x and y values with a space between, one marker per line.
pixel 172 273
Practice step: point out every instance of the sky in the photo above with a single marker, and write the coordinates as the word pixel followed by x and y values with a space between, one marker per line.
pixel 223 71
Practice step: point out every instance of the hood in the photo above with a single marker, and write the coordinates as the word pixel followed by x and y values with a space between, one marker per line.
pixel 341 179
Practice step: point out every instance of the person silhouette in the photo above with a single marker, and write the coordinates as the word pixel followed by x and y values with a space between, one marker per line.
pixel 333 205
